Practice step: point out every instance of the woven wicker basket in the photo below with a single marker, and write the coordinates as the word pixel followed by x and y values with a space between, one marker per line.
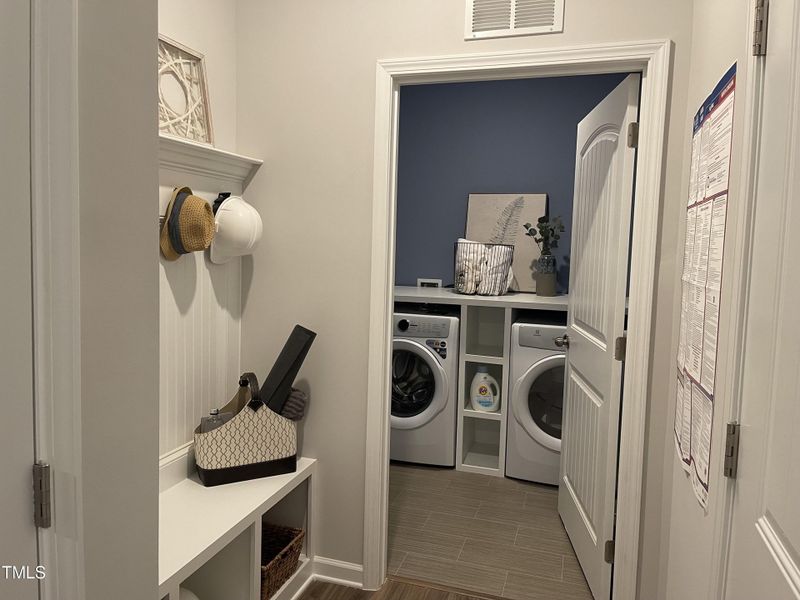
pixel 280 550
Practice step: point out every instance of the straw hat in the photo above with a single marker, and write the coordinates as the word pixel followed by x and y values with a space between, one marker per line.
pixel 188 226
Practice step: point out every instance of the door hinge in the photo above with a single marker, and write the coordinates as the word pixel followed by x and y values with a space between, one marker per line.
pixel 731 463
pixel 760 28
pixel 620 346
pixel 42 508
pixel 608 552
pixel 633 135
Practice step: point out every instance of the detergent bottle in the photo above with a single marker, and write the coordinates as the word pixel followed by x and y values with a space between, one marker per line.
pixel 484 391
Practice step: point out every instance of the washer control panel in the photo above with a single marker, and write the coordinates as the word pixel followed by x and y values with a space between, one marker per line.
pixel 421 326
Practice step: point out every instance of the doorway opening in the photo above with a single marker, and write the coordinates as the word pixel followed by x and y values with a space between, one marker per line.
pixel 478 382
pixel 651 59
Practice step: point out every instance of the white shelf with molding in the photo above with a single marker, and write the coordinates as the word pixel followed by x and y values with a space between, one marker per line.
pixel 185 156
pixel 405 293
pixel 198 525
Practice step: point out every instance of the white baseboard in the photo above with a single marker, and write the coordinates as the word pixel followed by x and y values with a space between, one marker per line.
pixel 175 466
pixel 337 571
pixel 298 583
pixel 321 569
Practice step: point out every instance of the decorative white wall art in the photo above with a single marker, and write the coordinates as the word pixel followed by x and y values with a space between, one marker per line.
pixel 183 107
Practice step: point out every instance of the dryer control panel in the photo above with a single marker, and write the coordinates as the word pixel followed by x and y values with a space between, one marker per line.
pixel 540 336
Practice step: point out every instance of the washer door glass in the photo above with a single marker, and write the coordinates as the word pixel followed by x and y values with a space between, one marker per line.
pixel 413 384
pixel 538 400
pixel 546 400
pixel 419 385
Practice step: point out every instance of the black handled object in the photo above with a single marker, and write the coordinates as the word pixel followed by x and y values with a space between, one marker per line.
pixel 278 384
pixel 250 380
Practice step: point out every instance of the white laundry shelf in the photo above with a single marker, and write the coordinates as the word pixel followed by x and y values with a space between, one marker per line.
pixel 185 156
pixel 478 414
pixel 196 522
pixel 486 359
pixel 403 293
pixel 481 456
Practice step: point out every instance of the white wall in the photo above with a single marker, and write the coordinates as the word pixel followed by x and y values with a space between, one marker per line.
pixel 200 303
pixel 720 38
pixel 17 533
pixel 119 297
pixel 305 98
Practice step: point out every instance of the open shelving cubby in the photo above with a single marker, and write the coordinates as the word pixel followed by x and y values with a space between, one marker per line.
pixel 470 367
pixel 481 444
pixel 481 434
pixel 483 329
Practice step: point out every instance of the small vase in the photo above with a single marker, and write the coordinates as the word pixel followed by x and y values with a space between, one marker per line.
pixel 546 275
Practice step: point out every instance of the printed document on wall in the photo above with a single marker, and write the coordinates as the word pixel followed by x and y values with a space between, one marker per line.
pixel 701 281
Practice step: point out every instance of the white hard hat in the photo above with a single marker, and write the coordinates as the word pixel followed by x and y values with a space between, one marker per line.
pixel 238 230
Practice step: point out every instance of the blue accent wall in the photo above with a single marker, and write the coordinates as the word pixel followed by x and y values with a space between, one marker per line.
pixel 494 137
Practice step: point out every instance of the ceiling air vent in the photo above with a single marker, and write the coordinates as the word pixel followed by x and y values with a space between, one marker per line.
pixel 504 18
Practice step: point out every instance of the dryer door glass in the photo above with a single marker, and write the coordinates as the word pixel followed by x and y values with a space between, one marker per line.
pixel 413 384
pixel 546 400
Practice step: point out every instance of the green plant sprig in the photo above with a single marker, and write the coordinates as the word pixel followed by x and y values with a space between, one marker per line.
pixel 546 233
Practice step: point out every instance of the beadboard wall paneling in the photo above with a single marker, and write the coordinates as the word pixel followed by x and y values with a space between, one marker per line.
pixel 200 333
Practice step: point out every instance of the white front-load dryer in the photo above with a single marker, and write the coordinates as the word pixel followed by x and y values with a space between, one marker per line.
pixel 424 381
pixel 533 448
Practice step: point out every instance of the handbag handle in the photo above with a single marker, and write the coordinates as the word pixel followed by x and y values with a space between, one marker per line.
pixel 250 380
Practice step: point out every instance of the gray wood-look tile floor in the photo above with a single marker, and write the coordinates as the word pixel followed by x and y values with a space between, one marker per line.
pixel 391 590
pixel 486 535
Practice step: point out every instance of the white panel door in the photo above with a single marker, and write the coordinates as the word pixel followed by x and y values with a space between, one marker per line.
pixel 604 169
pixel 764 559
pixel 17 532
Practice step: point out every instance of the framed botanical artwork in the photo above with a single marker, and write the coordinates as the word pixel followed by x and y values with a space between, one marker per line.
pixel 500 219
pixel 183 107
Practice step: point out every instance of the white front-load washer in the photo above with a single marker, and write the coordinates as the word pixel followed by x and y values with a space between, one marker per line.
pixel 424 382
pixel 533 447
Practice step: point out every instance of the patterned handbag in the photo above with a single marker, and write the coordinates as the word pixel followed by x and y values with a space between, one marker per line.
pixel 256 442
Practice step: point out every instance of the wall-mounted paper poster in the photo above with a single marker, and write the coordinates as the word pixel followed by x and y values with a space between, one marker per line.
pixel 499 219
pixel 183 108
pixel 706 210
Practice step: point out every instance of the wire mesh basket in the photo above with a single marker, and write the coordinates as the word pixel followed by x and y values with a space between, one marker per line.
pixel 482 269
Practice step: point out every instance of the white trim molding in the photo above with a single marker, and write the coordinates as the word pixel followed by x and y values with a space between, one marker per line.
pixel 56 289
pixel 730 382
pixel 337 571
pixel 186 156
pixel 175 466
pixel 652 59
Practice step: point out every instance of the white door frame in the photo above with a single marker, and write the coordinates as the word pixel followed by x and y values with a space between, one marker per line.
pixel 56 287
pixel 652 58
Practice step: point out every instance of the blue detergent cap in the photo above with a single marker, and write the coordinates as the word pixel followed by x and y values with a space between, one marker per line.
pixel 483 369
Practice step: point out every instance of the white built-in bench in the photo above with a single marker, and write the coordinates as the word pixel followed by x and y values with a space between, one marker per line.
pixel 210 538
